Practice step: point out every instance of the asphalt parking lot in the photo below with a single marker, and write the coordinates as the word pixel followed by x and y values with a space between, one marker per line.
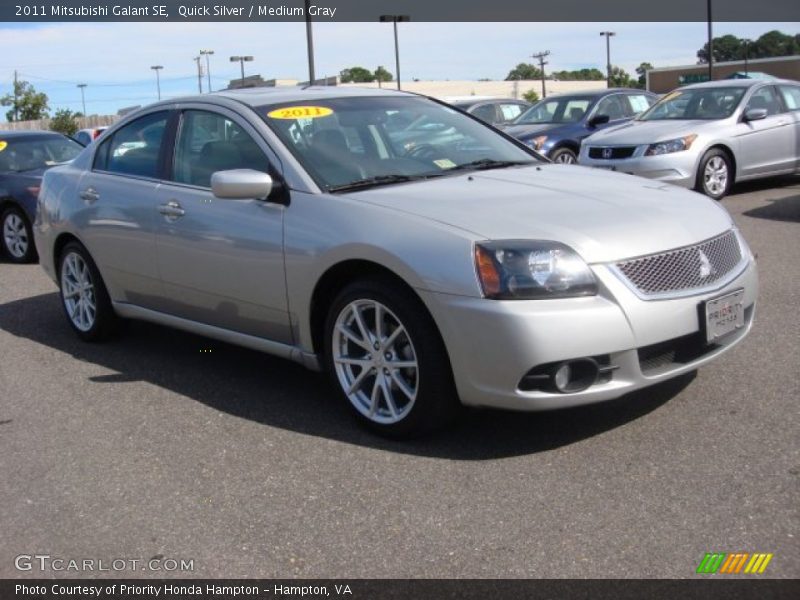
pixel 162 443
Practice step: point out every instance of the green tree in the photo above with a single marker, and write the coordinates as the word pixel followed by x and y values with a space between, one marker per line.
pixel 524 71
pixel 356 75
pixel 729 47
pixel 580 75
pixel 382 75
pixel 641 71
pixel 30 104
pixel 531 96
pixel 65 121
pixel 621 78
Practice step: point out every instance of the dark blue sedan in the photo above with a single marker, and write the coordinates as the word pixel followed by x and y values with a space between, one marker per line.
pixel 24 157
pixel 556 125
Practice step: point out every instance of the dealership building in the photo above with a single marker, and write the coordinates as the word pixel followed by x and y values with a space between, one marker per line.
pixel 665 79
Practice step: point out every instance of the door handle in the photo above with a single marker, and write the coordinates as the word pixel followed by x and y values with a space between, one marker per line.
pixel 90 195
pixel 171 209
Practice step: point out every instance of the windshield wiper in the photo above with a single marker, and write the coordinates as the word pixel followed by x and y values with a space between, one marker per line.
pixel 488 163
pixel 378 180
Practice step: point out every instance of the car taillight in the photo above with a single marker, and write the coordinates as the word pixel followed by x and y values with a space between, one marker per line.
pixel 34 191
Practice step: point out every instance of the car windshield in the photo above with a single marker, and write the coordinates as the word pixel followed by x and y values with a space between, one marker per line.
pixel 346 143
pixel 28 154
pixel 698 103
pixel 563 109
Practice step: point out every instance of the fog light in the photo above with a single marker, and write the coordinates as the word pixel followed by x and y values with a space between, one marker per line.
pixel 574 376
pixel 562 377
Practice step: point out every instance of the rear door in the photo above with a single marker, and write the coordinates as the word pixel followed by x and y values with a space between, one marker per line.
pixel 766 146
pixel 221 261
pixel 119 197
pixel 790 96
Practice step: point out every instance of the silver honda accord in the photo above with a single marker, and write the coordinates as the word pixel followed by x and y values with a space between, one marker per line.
pixel 707 136
pixel 422 258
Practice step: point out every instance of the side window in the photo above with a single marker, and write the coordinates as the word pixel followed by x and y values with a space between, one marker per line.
pixel 765 98
pixel 485 113
pixel 134 149
pixel 791 96
pixel 611 106
pixel 509 112
pixel 209 142
pixel 638 103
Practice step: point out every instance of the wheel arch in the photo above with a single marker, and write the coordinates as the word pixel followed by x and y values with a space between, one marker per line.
pixel 727 150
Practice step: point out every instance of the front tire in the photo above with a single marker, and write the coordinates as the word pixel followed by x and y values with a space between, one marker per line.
pixel 564 156
pixel 84 297
pixel 715 174
pixel 384 353
pixel 17 235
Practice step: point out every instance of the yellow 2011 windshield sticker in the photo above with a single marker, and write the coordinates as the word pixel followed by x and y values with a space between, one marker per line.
pixel 3 146
pixel 300 112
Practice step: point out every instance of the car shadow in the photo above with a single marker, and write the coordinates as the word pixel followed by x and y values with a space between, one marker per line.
pixel 759 185
pixel 278 393
pixel 779 209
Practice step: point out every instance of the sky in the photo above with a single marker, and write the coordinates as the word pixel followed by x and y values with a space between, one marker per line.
pixel 114 59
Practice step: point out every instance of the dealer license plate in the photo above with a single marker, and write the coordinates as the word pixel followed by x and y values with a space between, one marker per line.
pixel 724 315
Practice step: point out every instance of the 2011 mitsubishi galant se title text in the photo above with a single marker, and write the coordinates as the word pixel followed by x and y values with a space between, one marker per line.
pixel 417 254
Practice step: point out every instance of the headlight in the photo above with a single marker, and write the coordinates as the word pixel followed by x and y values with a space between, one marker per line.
pixel 676 145
pixel 527 270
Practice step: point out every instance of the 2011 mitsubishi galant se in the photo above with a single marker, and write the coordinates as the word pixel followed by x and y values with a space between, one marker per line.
pixel 312 224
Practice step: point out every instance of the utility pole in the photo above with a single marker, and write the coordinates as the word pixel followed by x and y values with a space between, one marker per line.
pixel 542 62
pixel 83 99
pixel 608 35
pixel 207 53
pixel 16 110
pixel 710 46
pixel 199 74
pixel 310 45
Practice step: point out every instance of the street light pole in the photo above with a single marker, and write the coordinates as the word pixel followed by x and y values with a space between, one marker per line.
pixel 542 62
pixel 207 53
pixel 242 60
pixel 310 45
pixel 199 74
pixel 608 35
pixel 395 19
pixel 83 99
pixel 746 52
pixel 710 45
pixel 157 68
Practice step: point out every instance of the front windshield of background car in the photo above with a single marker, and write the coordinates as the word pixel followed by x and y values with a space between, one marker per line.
pixel 342 141
pixel 699 103
pixel 563 109
pixel 28 154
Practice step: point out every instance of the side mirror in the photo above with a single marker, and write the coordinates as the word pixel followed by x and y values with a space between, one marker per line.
pixel 755 114
pixel 240 184
pixel 599 120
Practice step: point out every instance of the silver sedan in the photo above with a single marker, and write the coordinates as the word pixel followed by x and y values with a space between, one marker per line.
pixel 707 136
pixel 419 256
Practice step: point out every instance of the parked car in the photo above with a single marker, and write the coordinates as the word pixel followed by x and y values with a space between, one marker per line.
pixel 556 125
pixel 24 157
pixel 707 136
pixel 495 111
pixel 466 268
pixel 87 136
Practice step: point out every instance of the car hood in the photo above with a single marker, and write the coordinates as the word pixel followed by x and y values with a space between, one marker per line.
pixel 525 132
pixel 637 133
pixel 604 216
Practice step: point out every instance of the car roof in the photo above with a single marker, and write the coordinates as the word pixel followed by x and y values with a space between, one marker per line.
pixel 277 95
pixel 733 83
pixel 474 101
pixel 16 133
pixel 598 93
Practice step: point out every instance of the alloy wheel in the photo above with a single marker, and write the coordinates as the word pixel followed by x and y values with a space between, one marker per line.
pixel 78 292
pixel 715 176
pixel 375 361
pixel 15 235
pixel 565 158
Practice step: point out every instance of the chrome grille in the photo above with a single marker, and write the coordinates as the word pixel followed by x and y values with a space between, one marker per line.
pixel 684 269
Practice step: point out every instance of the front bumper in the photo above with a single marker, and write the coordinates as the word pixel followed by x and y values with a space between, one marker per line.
pixel 493 344
pixel 678 168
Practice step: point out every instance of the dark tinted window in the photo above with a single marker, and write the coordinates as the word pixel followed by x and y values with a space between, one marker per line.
pixel 134 149
pixel 613 106
pixel 36 152
pixel 210 142
pixel 485 112
pixel 765 98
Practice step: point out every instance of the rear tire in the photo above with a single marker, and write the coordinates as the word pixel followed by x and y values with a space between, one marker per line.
pixel 715 174
pixel 84 297
pixel 384 353
pixel 17 235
